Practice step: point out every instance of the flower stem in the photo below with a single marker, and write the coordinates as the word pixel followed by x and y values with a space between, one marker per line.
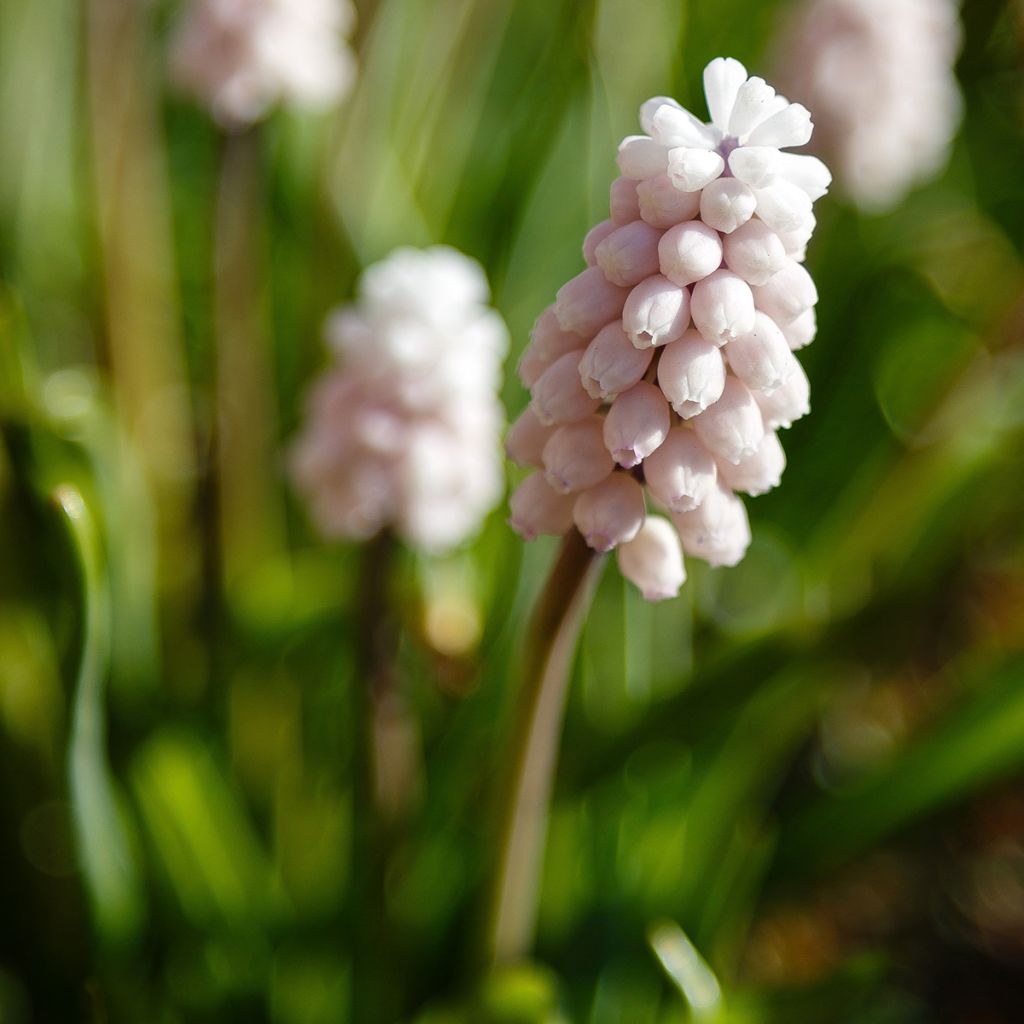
pixel 554 631
pixel 250 506
pixel 375 694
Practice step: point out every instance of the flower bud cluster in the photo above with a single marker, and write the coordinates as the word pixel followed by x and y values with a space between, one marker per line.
pixel 662 372
pixel 241 57
pixel 406 432
pixel 880 78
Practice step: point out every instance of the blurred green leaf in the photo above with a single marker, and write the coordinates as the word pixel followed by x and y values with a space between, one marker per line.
pixel 106 846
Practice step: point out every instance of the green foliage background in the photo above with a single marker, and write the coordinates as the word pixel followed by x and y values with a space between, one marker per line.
pixel 807 768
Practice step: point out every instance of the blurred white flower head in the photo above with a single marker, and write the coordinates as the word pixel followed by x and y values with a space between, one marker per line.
pixel 661 373
pixel 405 432
pixel 242 57
pixel 879 76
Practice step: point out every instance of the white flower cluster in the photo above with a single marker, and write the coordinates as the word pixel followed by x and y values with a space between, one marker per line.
pixel 669 361
pixel 406 432
pixel 241 57
pixel 879 76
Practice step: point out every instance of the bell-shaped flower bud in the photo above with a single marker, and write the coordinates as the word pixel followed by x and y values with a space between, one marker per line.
pixel 548 338
pixel 558 395
pixel 722 306
pixel 727 204
pixel 656 312
pixel 662 205
pixel 802 330
pixel 636 424
pixel 536 509
pixel 782 205
pixel 689 252
pixel 593 238
pixel 755 166
pixel 653 560
pixel 732 427
pixel 629 253
pixel 690 169
pixel 611 513
pixel 786 404
pixel 758 473
pixel 588 302
pixel 681 472
pixel 622 201
pixel 612 364
pixel 718 531
pixel 754 252
pixel 641 157
pixel 795 242
pixel 761 358
pixel 691 374
pixel 575 456
pixel 525 440
pixel 787 293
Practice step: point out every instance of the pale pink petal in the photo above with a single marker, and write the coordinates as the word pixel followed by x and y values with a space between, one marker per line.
pixel 722 80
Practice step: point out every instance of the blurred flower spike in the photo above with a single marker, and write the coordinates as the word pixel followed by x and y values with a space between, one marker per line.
pixel 242 57
pixel 661 373
pixel 880 78
pixel 406 432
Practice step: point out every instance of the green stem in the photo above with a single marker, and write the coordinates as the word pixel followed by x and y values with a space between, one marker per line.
pixel 554 631
pixel 375 988
pixel 250 508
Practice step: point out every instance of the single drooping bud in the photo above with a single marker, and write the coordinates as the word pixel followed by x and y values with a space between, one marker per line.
pixel 404 433
pixel 689 252
pixel 732 427
pixel 653 560
pixel 558 395
pixel 612 364
pixel 242 57
pixel 761 358
pixel 537 510
pixel 691 373
pixel 629 254
pixel 575 456
pixel 880 79
pixel 610 513
pixel 758 472
pixel 722 307
pixel 681 472
pixel 636 424
pixel 656 312
pixel 676 343
pixel 717 531
pixel 525 440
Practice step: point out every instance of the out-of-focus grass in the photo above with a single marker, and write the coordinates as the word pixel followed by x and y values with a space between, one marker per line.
pixel 849 692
